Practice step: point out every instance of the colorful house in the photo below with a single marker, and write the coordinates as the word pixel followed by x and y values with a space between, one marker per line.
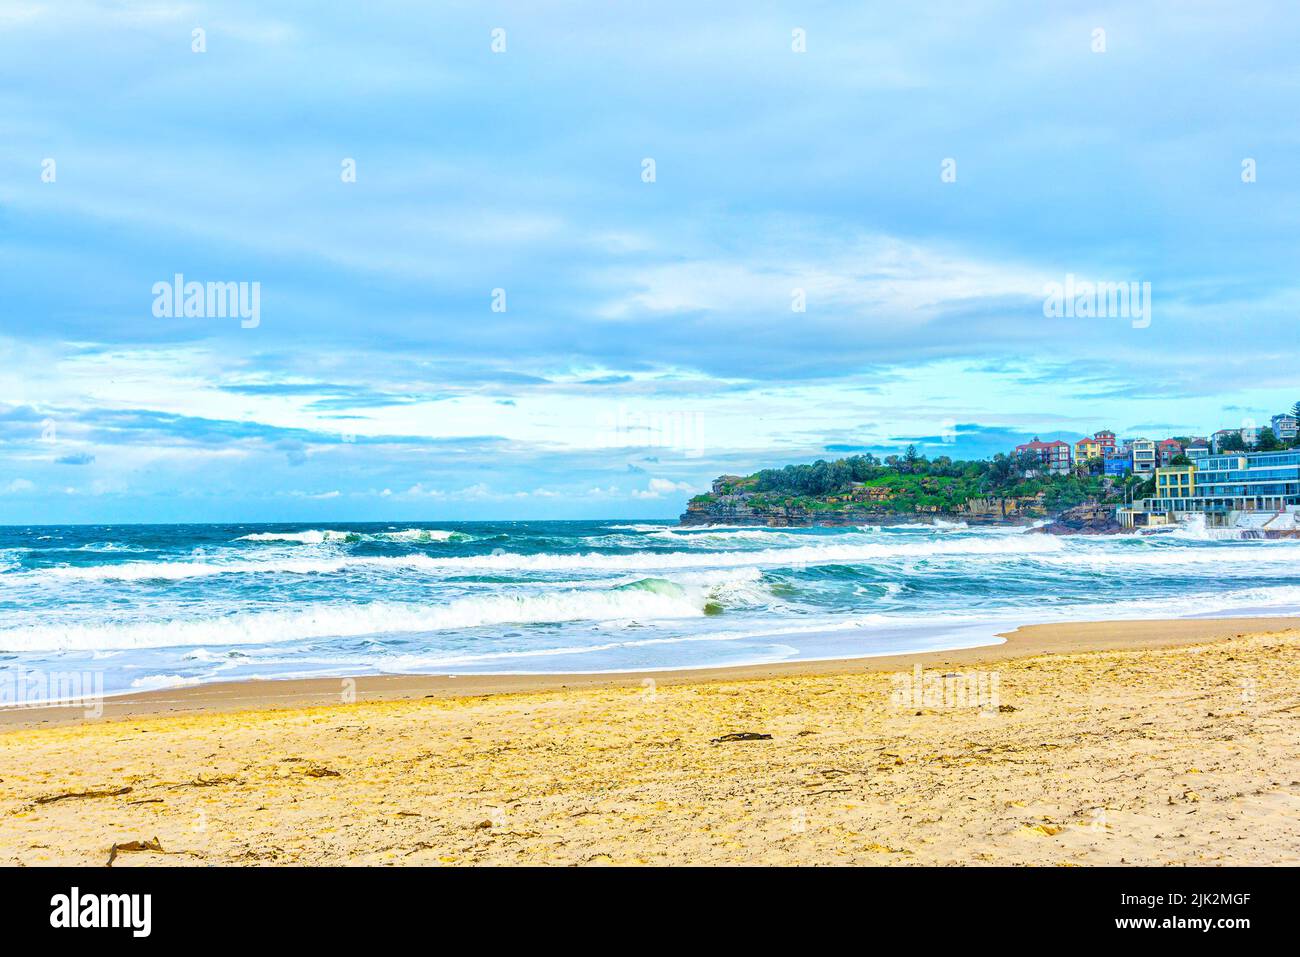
pixel 1285 427
pixel 1116 462
pixel 1216 440
pixel 1144 457
pixel 1086 449
pixel 1054 455
pixel 1168 450
pixel 1175 482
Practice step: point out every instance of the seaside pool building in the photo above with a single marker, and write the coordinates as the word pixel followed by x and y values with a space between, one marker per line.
pixel 1236 488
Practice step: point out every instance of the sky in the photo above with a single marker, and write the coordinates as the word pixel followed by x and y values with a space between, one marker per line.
pixel 567 260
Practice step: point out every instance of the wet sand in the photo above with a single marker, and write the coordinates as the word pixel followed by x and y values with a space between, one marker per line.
pixel 1065 638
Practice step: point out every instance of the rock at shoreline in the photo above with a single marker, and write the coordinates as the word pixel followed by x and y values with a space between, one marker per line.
pixel 1088 519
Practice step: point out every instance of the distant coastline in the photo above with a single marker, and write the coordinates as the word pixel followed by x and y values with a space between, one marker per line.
pixel 862 490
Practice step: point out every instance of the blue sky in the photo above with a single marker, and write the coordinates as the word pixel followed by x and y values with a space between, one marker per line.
pixel 648 340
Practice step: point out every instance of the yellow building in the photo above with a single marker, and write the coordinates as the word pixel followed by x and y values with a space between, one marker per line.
pixel 1086 449
pixel 1174 482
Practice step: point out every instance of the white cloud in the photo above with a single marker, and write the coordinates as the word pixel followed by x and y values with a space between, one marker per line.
pixel 882 276
pixel 659 487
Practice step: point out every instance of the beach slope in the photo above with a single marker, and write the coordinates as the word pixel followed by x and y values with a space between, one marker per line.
pixel 1140 743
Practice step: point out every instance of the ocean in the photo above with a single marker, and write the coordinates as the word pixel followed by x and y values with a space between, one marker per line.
pixel 152 606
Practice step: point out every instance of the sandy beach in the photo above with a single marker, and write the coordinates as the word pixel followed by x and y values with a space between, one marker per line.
pixel 1169 742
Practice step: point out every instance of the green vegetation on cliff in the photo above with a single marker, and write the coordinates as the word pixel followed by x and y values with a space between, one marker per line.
pixel 911 483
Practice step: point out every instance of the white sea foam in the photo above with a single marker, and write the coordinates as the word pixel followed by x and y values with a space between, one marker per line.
pixel 1049 550
pixel 152 682
pixel 310 537
pixel 1166 551
pixel 803 555
pixel 938 525
pixel 712 536
pixel 863 634
pixel 175 571
pixel 320 536
pixel 643 600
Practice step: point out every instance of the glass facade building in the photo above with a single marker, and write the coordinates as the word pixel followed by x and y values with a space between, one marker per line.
pixel 1237 482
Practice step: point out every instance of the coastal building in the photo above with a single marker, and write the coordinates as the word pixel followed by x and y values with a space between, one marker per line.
pixel 1217 439
pixel 1285 427
pixel 1218 485
pixel 1167 450
pixel 1055 455
pixel 1086 449
pixel 1197 449
pixel 1175 482
pixel 1106 439
pixel 1145 458
pixel 1116 462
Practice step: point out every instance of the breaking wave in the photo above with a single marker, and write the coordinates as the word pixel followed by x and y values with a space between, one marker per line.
pixel 321 536
pixel 803 555
pixel 650 599
pixel 209 602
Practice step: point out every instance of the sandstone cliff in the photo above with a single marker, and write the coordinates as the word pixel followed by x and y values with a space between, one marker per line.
pixel 721 508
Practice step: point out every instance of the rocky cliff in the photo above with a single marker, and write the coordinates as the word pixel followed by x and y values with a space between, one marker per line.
pixel 720 508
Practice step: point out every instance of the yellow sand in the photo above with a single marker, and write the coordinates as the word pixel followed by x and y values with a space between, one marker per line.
pixel 1163 754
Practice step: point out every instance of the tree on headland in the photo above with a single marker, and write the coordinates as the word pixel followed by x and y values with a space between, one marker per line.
pixel 1232 442
pixel 1000 469
pixel 1028 462
pixel 941 483
pixel 1267 441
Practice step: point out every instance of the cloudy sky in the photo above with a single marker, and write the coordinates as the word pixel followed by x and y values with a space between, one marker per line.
pixel 632 247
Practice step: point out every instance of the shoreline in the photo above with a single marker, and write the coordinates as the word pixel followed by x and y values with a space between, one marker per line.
pixel 1026 641
pixel 1106 743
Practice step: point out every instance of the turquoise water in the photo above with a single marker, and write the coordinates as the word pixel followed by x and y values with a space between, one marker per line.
pixel 156 606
